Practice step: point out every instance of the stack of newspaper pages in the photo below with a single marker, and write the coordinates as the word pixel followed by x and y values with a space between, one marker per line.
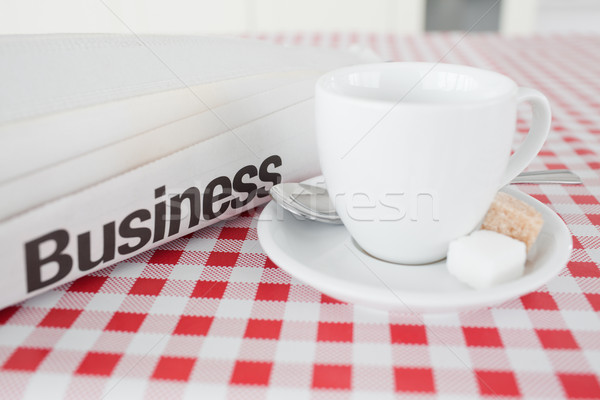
pixel 113 144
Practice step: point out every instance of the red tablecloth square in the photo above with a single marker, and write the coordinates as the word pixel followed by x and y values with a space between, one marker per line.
pixel 270 264
pixel 89 284
pixel 209 289
pixel 7 314
pixel 576 243
pixel 174 368
pixel 594 219
pixel 584 151
pixel 539 301
pixel 414 380
pixel 147 286
pixel 96 363
pixel 580 386
pixel 25 359
pixel 543 152
pixel 556 339
pixel 335 332
pixel 263 329
pixel 541 197
pixel 556 166
pixel 193 325
pixel 584 199
pixel 59 318
pixel 594 164
pixel 332 376
pixel 251 373
pixel 272 291
pixel 161 256
pixel 594 300
pixel 125 322
pixel 497 383
pixel 222 259
pixel 584 269
pixel 482 336
pixel 408 334
pixel 330 300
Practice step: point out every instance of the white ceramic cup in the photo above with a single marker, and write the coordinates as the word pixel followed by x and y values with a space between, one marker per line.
pixel 414 153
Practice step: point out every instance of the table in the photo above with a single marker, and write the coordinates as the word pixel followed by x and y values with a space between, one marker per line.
pixel 210 316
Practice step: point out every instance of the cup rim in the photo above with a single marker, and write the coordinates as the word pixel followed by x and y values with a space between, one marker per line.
pixel 323 85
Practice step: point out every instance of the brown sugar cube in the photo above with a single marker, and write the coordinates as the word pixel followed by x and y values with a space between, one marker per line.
pixel 512 217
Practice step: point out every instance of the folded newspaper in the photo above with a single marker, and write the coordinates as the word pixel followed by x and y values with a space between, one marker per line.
pixel 115 144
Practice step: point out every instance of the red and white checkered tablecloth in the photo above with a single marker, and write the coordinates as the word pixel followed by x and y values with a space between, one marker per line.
pixel 210 316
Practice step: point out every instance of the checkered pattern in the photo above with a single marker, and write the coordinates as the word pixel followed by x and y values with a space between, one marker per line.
pixel 210 316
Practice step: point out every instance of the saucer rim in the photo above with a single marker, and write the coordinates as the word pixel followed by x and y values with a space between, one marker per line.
pixel 397 300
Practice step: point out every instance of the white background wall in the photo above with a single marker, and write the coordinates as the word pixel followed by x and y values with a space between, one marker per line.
pixel 248 16
pixel 569 15
pixel 209 16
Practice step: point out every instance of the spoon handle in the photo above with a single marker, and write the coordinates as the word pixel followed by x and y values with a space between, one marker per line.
pixel 563 176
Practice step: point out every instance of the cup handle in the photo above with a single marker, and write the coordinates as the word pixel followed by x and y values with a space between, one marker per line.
pixel 538 132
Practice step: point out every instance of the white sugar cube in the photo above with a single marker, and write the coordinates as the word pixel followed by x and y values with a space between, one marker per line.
pixel 486 258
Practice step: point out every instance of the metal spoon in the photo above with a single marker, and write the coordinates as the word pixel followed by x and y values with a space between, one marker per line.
pixel 312 202
pixel 560 176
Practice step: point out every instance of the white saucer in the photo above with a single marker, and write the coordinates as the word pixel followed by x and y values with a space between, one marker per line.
pixel 325 257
